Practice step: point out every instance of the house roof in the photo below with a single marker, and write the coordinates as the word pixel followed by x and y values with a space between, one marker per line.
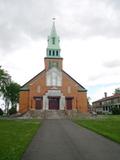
pixel 108 98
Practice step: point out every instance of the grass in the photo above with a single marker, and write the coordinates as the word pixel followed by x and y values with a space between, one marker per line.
pixel 15 135
pixel 108 126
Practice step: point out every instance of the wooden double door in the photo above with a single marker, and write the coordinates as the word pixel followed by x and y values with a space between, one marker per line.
pixel 54 103
pixel 38 103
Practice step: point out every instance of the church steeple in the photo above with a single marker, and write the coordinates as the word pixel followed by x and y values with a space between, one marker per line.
pixel 53 49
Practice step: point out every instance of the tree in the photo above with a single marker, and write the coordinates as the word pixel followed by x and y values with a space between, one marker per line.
pixel 115 110
pixel 12 110
pixel 4 79
pixel 1 112
pixel 9 90
pixel 5 96
pixel 13 93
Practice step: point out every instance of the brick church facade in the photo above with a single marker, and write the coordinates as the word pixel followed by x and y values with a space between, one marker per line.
pixel 53 88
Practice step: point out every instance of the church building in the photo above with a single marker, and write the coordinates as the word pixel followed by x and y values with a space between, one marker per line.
pixel 53 88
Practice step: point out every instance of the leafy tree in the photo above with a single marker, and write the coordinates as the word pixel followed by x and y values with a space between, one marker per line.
pixel 115 110
pixel 9 90
pixel 5 96
pixel 13 93
pixel 4 79
pixel 1 112
pixel 12 110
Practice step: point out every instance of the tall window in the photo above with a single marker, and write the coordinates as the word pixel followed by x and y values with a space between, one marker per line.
pixel 54 79
pixel 53 53
pixel 53 40
pixel 49 53
pixel 56 53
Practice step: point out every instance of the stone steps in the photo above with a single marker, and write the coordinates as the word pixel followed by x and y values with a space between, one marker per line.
pixel 54 114
pixel 34 114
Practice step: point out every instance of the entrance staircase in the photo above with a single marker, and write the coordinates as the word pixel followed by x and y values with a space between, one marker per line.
pixel 53 114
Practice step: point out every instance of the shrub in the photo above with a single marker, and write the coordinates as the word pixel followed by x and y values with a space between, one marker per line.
pixel 1 112
pixel 115 110
pixel 12 110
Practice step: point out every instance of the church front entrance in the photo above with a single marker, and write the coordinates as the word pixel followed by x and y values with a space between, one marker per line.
pixel 54 103
pixel 53 100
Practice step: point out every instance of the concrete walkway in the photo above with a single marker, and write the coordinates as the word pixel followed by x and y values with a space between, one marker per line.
pixel 64 140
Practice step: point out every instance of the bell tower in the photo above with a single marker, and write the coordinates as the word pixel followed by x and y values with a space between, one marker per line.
pixel 53 58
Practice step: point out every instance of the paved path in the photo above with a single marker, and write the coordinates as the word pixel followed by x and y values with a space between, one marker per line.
pixel 64 140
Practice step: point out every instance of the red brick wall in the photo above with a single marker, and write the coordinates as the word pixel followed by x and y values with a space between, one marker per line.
pixel 82 102
pixel 23 101
pixel 41 80
pixel 79 98
pixel 27 98
pixel 47 60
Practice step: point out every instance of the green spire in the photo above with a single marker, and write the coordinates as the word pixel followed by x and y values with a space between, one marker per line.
pixel 53 30
pixel 53 49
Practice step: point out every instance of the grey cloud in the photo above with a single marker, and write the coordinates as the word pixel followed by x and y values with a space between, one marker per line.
pixel 75 19
pixel 24 17
pixel 83 19
pixel 115 3
pixel 94 77
pixel 112 64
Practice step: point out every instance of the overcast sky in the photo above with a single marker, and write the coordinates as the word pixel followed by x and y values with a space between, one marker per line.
pixel 89 33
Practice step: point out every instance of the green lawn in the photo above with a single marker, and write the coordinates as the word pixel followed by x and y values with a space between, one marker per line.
pixel 108 126
pixel 15 135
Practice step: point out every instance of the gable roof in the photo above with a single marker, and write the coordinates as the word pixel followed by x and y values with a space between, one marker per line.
pixel 81 89
pixel 108 98
pixel 25 86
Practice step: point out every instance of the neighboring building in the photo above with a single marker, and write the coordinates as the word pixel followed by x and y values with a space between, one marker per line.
pixel 53 88
pixel 105 104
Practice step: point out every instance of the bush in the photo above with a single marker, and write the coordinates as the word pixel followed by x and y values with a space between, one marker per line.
pixel 1 112
pixel 12 110
pixel 115 110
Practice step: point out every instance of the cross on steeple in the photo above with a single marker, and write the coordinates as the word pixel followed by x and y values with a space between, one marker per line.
pixel 54 19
